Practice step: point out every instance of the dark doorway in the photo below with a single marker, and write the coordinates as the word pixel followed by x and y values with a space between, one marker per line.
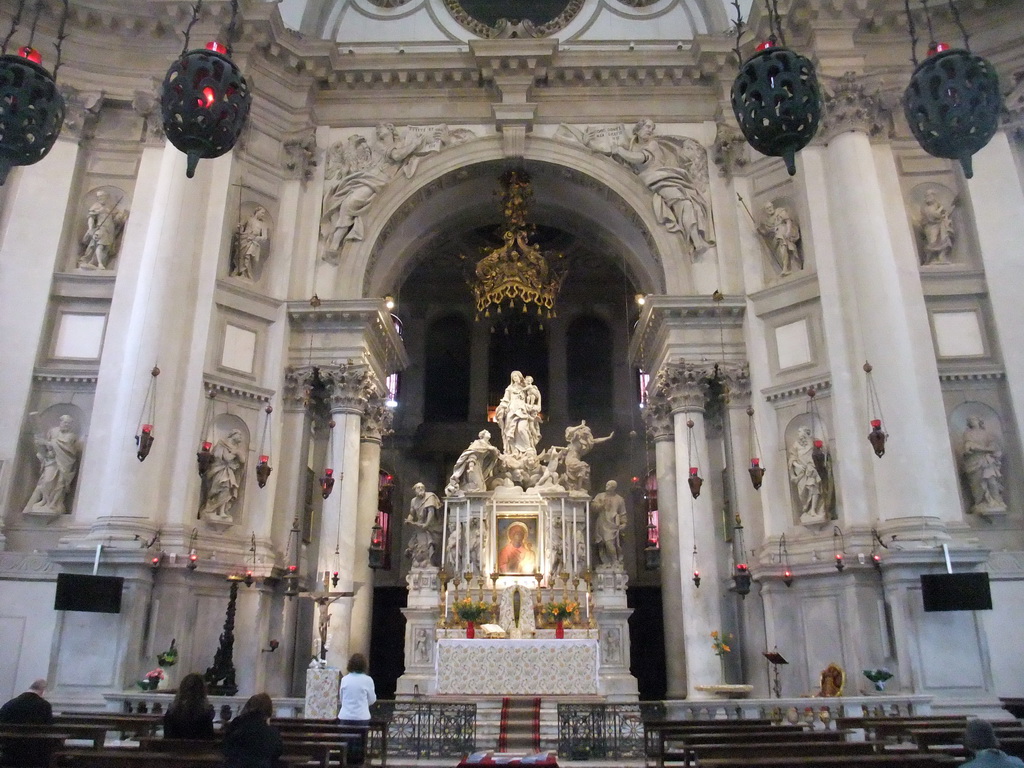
pixel 647 642
pixel 387 640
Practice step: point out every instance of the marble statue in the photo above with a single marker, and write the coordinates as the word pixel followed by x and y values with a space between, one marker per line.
pixel 476 466
pixel 674 168
pixel 59 451
pixel 251 237
pixel 518 416
pixel 934 224
pixel 360 167
pixel 782 234
pixel 553 459
pixel 476 545
pixel 609 524
pixel 556 563
pixel 580 441
pixel 222 481
pixel 982 460
pixel 809 485
pixel 103 227
pixel 451 547
pixel 426 528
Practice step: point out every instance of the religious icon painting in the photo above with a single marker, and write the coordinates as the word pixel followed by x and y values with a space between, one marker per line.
pixel 517 545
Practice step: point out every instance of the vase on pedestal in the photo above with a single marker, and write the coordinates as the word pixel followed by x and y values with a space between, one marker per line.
pixel 559 630
pixel 721 661
pixel 470 630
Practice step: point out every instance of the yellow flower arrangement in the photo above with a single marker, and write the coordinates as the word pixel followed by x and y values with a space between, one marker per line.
pixel 469 609
pixel 720 643
pixel 562 611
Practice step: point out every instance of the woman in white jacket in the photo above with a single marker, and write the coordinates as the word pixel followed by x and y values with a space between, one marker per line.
pixel 357 694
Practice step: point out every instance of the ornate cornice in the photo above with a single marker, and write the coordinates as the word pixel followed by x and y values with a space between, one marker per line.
pixel 84 378
pixel 975 375
pixel 850 105
pixel 27 567
pixel 793 391
pixel 235 391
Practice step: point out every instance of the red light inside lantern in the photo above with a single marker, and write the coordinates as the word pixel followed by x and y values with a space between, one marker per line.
pixel 207 445
pixel 787 574
pixel 147 428
pixel 693 471
pixel 839 557
pixel 937 48
pixel 328 471
pixel 292 568
pixel 876 559
pixel 30 53
pixel 209 96
pixel 264 459
pixel 818 443
pixel 755 462
pixel 765 46
pixel 696 574
pixel 216 47
pixel 334 574
pixel 193 557
pixel 741 566
pixel 156 561
pixel 876 423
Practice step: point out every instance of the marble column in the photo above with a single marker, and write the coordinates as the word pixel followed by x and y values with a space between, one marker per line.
pixel 375 423
pixel 867 265
pixel 349 387
pixel 36 202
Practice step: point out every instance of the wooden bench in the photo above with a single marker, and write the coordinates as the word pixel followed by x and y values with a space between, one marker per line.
pixel 874 760
pixel 659 735
pixel 133 757
pixel 897 726
pixel 375 731
pixel 322 753
pixel 125 724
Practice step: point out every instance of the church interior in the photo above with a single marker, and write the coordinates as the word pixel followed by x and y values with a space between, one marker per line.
pixel 511 346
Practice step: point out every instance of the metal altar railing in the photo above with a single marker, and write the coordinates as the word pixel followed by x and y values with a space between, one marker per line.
pixel 600 731
pixel 423 729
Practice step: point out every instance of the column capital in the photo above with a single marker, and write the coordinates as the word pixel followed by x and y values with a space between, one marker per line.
pixel 850 105
pixel 729 152
pixel 146 105
pixel 298 155
pixel 685 385
pixel 1013 115
pixel 377 419
pixel 736 377
pixel 658 417
pixel 349 387
pixel 298 379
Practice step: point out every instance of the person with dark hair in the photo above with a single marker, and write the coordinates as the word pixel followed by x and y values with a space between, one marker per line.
pixel 249 740
pixel 190 715
pixel 28 708
pixel 981 739
pixel 357 694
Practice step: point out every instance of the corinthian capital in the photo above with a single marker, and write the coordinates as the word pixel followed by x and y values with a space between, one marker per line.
pixel 658 417
pixel 377 419
pixel 349 387
pixel 684 385
pixel 736 377
pixel 850 106
pixel 298 382
pixel 82 109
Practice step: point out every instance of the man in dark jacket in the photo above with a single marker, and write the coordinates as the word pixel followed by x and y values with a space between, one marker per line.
pixel 28 708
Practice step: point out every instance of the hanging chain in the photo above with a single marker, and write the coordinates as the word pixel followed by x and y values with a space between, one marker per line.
pixel 192 22
pixel 232 27
pixel 15 23
pixel 61 36
pixel 738 24
pixel 928 21
pixel 953 9
pixel 912 30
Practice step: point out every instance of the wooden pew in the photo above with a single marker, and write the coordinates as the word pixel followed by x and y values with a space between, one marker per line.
pixel 874 760
pixel 125 724
pixel 376 730
pixel 133 757
pixel 318 752
pixel 43 744
pixel 661 734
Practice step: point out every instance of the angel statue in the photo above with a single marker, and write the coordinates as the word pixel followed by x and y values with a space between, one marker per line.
pixel 674 168
pixel 103 228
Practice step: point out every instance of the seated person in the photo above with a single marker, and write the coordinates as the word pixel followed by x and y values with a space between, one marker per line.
pixel 981 740
pixel 249 740
pixel 190 715
pixel 28 708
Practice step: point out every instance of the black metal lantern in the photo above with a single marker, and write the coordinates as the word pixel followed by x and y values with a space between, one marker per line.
pixel 952 104
pixel 777 102
pixel 31 110
pixel 205 103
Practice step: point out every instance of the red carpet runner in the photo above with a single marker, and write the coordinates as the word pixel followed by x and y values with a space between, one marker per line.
pixel 520 724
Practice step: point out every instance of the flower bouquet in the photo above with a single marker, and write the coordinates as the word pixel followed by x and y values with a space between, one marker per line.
pixel 720 645
pixel 152 679
pixel 169 657
pixel 562 611
pixel 471 611
pixel 878 677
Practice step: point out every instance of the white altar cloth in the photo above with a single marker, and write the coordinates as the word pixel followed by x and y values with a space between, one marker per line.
pixel 517 667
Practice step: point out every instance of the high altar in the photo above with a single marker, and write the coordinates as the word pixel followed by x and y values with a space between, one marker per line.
pixel 517 533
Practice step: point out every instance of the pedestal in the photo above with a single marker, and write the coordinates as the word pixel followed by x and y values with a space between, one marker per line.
pixel 322 686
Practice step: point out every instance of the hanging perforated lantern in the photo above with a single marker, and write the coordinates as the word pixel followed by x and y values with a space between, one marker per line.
pixel 777 102
pixel 31 110
pixel 952 104
pixel 205 103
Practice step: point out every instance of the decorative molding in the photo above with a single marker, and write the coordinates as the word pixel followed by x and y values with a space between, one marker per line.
pixel 82 109
pixel 793 391
pixel 27 566
pixel 299 154
pixel 236 391
pixel 1013 108
pixel 1006 564
pixel 736 377
pixel 507 29
pixel 729 151
pixel 350 388
pixel 976 375
pixel 377 419
pixel 685 385
pixel 57 376
pixel 146 105
pixel 849 106
pixel 658 417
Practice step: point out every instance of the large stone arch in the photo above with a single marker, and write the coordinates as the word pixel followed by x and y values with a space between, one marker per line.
pixel 608 202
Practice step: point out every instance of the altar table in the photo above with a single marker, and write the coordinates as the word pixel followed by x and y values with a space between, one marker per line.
pixel 517 667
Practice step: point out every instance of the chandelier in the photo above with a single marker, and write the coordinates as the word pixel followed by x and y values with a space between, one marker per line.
pixel 516 273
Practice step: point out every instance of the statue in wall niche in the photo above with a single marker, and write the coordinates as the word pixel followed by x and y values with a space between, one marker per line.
pixel 554 544
pixel 222 481
pixel 674 168
pixel 609 524
pixel 812 490
pixel 580 441
pixel 934 225
pixel 251 238
pixel 103 227
pixel 782 234
pixel 361 166
pixel 982 459
pixel 426 528
pixel 518 415
pixel 58 450
pixel 475 467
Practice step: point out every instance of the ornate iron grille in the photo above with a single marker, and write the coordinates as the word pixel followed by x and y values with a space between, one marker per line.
pixel 428 729
pixel 600 731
